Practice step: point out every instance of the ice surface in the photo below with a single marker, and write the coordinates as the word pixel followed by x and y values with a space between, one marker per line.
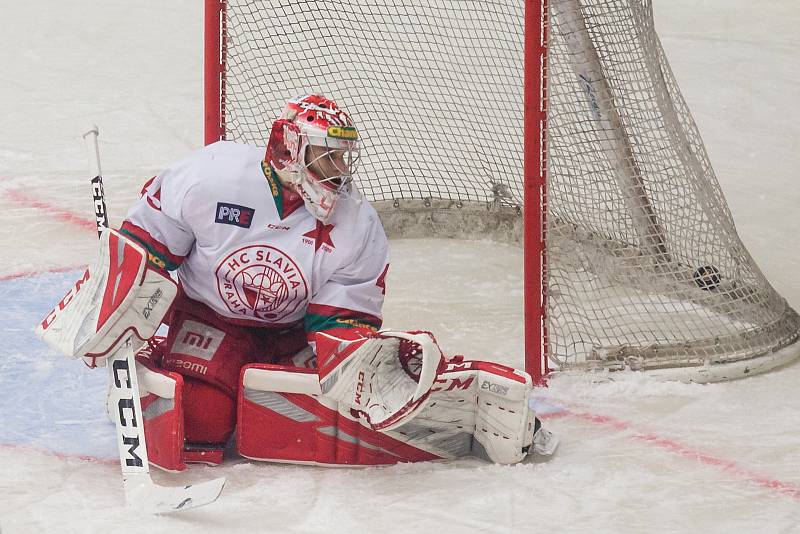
pixel 635 456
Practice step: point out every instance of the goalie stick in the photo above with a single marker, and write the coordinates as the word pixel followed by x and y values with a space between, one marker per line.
pixel 140 490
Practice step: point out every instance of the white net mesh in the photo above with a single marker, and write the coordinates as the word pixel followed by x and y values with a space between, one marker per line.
pixel 645 267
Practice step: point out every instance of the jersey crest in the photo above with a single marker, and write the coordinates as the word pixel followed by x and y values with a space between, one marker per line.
pixel 261 282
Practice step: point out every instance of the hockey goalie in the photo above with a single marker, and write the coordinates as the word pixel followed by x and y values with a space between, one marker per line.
pixel 274 344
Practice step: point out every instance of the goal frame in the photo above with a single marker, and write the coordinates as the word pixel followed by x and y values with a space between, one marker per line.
pixel 605 203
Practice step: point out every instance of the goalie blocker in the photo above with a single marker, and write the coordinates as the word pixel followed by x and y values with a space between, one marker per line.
pixel 116 298
pixel 373 400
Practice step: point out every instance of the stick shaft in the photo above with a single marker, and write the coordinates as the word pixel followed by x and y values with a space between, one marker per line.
pixel 140 491
pixel 122 364
pixel 98 194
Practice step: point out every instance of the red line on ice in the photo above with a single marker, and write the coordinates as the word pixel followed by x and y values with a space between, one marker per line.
pixel 31 274
pixel 60 455
pixel 729 466
pixel 51 209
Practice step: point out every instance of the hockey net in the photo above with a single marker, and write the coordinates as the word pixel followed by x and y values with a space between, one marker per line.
pixel 644 267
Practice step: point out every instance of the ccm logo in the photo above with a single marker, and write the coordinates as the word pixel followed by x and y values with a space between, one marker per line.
pixel 127 412
pixel 449 384
pixel 359 387
pixel 63 303
pixel 235 215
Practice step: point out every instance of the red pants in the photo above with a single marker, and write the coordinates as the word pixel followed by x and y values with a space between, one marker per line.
pixel 209 352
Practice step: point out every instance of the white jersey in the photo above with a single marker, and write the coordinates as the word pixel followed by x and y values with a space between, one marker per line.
pixel 244 245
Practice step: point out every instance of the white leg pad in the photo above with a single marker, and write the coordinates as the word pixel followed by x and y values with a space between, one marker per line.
pixel 475 408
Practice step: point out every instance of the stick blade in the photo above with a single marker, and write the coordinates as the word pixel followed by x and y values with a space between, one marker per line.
pixel 146 496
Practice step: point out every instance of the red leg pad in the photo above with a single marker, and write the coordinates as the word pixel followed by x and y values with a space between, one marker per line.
pixel 164 427
pixel 163 421
pixel 301 428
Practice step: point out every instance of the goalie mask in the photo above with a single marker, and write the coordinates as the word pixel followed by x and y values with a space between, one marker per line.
pixel 313 148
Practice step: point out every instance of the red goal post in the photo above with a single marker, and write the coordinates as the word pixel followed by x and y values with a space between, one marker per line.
pixel 556 124
pixel 213 71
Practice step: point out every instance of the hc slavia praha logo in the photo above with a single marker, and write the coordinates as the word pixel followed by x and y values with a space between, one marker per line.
pixel 261 282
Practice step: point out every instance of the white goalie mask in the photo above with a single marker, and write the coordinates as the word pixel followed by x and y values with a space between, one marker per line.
pixel 313 148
